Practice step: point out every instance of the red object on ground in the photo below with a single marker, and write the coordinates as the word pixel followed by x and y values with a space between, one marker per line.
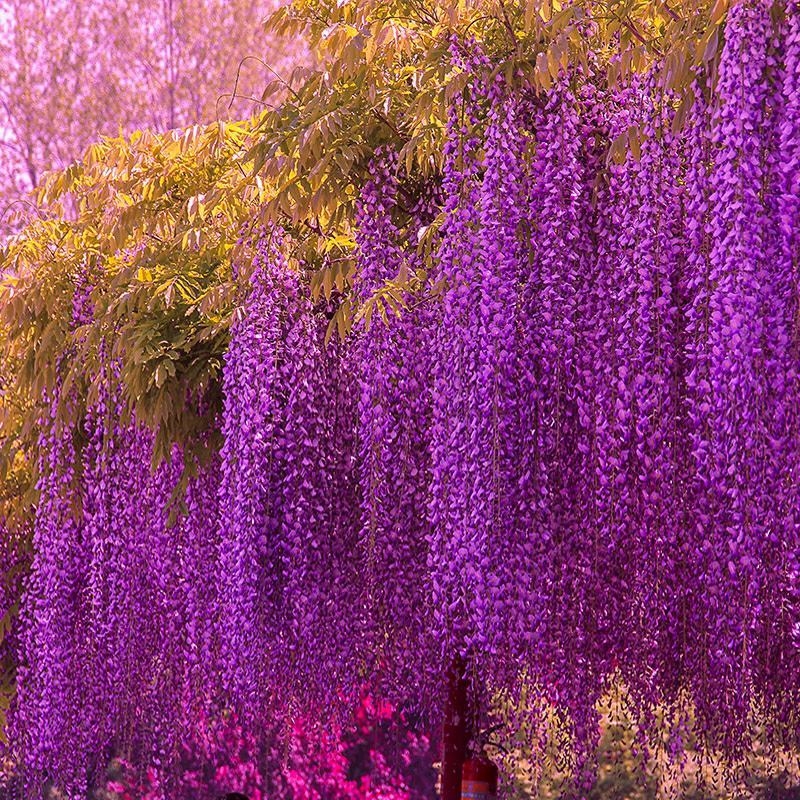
pixel 479 779
pixel 454 732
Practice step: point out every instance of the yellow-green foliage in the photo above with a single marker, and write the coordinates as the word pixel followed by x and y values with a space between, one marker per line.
pixel 539 760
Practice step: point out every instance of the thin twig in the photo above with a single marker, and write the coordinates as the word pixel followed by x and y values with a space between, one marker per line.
pixel 234 96
pixel 263 63
pixel 509 26
pixel 387 122
pixel 632 28
pixel 670 11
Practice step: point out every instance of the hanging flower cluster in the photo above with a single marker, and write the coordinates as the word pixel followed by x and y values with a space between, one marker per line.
pixel 577 462
pixel 111 583
pixel 289 597
pixel 393 417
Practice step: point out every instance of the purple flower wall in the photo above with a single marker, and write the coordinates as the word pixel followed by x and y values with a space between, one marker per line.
pixel 580 464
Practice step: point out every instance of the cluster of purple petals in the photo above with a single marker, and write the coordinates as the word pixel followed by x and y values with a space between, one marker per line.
pixel 114 613
pixel 578 463
pixel 290 593
pixel 786 164
pixel 457 537
pixel 393 418
pixel 49 678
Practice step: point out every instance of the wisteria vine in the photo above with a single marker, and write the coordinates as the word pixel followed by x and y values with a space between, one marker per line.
pixel 574 462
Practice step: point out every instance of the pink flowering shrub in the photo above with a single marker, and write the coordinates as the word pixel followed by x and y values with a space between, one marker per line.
pixel 378 757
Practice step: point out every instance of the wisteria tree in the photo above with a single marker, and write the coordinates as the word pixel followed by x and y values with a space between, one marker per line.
pixel 467 375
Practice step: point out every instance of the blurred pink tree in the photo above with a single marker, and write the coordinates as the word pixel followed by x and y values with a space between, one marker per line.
pixel 74 70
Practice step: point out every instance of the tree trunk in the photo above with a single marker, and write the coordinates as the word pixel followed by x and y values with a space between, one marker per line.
pixel 454 731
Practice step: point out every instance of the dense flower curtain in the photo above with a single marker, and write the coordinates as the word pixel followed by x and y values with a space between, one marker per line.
pixel 576 460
